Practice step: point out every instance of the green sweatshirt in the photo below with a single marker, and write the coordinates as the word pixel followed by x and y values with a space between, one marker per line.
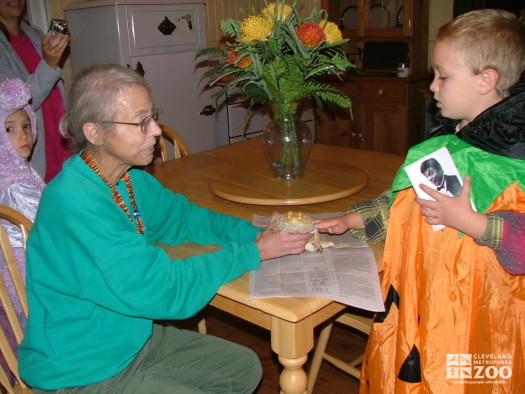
pixel 94 284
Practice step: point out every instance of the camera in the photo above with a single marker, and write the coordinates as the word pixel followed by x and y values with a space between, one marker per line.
pixel 58 25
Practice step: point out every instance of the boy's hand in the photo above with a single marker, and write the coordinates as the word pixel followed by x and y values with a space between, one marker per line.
pixel 340 224
pixel 331 226
pixel 455 212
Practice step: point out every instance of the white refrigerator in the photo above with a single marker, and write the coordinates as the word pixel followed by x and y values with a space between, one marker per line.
pixel 158 39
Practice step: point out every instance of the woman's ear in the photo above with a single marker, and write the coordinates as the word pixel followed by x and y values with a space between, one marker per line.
pixel 489 80
pixel 93 133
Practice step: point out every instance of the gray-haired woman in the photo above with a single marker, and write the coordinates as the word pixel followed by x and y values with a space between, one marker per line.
pixel 96 279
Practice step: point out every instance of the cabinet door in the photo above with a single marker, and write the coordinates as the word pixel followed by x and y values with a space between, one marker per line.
pixel 383 126
pixel 382 115
pixel 371 18
pixel 357 127
pixel 385 18
pixel 347 14
pixel 333 126
pixel 379 118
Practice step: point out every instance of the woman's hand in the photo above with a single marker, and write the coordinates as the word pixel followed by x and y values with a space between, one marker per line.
pixel 455 212
pixel 53 46
pixel 272 245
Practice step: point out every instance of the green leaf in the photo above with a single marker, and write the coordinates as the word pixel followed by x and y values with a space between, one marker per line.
pixel 231 27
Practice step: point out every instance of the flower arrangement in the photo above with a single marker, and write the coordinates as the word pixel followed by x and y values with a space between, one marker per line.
pixel 275 56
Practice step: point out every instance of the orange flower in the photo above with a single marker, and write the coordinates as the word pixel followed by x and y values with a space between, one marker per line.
pixel 310 34
pixel 243 63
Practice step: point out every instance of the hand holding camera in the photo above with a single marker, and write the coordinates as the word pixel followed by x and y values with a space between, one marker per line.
pixel 55 42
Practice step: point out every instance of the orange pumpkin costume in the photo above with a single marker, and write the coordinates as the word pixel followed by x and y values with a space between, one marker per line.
pixel 454 319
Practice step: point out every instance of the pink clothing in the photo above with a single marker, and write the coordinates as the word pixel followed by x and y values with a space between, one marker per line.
pixel 57 148
pixel 511 251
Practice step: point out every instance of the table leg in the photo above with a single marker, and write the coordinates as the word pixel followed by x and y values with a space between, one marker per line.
pixel 292 341
pixel 293 379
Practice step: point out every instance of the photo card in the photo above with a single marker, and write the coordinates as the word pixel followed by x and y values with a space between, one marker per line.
pixel 438 171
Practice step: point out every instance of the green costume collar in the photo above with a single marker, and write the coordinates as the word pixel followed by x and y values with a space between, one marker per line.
pixel 491 174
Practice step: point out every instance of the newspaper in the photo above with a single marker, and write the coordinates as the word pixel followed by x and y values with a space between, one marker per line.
pixel 347 275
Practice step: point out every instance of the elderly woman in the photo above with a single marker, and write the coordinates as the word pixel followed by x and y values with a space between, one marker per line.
pixel 96 279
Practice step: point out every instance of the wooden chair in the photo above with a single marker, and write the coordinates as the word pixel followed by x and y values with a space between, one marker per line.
pixel 171 145
pixel 24 224
pixel 357 321
pixel 180 149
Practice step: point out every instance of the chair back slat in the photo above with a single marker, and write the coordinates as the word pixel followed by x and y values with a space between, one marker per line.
pixel 11 361
pixel 4 382
pixel 5 299
pixel 180 149
pixel 16 277
pixel 24 224
pixel 7 251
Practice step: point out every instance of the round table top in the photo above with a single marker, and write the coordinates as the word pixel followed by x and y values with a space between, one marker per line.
pixel 328 176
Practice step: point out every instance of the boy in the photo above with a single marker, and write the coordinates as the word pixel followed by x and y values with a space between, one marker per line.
pixel 453 313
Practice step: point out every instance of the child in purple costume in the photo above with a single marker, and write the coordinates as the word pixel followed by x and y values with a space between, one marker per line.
pixel 20 185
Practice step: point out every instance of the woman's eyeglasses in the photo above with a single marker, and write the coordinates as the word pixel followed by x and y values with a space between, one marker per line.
pixel 145 124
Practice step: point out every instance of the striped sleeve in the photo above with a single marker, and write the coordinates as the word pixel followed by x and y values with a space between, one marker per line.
pixel 506 235
pixel 375 214
pixel 494 232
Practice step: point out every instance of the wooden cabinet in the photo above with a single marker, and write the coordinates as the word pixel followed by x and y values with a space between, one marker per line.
pixel 387 115
pixel 387 111
pixel 385 21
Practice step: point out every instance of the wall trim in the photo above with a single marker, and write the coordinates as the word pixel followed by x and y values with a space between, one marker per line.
pixel 38 13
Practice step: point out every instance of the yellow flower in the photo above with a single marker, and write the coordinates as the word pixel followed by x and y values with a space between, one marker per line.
pixel 332 32
pixel 283 11
pixel 255 28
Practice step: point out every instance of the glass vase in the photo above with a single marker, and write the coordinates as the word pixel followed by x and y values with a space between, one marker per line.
pixel 287 141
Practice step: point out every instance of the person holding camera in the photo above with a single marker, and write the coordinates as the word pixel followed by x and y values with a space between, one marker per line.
pixel 27 53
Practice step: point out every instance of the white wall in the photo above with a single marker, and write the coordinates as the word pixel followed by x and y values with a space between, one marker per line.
pixel 440 12
pixel 38 13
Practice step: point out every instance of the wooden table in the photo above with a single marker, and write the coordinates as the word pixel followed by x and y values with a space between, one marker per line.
pixel 326 178
pixel 291 320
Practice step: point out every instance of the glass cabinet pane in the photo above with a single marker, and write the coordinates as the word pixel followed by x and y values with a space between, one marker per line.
pixel 385 14
pixel 348 14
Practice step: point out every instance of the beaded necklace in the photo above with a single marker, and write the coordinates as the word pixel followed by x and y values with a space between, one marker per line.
pixel 88 159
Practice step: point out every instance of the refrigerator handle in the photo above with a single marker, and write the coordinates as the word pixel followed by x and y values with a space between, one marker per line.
pixel 207 110
pixel 139 69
